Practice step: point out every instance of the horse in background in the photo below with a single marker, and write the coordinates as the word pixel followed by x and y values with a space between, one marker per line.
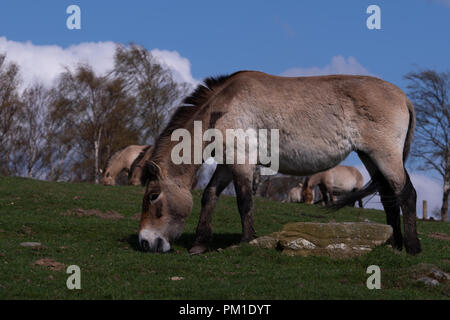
pixel 134 177
pixel 333 182
pixel 295 194
pixel 119 162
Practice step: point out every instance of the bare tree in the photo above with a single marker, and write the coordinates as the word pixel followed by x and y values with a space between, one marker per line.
pixel 152 84
pixel 10 108
pixel 86 109
pixel 33 131
pixel 429 90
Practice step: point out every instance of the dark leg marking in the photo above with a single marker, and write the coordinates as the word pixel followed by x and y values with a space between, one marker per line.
pixel 219 181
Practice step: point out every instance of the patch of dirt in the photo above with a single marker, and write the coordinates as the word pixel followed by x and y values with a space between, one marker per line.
pixel 51 264
pixel 94 212
pixel 439 236
pixel 26 230
pixel 137 216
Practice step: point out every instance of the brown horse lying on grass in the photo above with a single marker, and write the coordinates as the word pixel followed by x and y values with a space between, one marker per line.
pixel 336 181
pixel 321 120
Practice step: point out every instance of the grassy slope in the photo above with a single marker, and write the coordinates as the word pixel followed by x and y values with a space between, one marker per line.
pixel 112 268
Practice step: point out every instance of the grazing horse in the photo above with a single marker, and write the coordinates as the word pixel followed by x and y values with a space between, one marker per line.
pixel 336 181
pixel 134 177
pixel 120 161
pixel 321 120
pixel 295 194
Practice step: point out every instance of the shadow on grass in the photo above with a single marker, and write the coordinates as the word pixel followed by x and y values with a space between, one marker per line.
pixel 186 240
pixel 220 240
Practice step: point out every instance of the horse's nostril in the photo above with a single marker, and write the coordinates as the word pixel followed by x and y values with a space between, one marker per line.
pixel 145 246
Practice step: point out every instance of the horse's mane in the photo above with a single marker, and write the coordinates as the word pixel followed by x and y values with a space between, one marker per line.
pixel 192 104
pixel 138 158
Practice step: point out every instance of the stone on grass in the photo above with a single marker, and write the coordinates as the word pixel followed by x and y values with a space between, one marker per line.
pixel 429 281
pixel 439 275
pixel 265 242
pixel 429 274
pixel 337 240
pixel 30 244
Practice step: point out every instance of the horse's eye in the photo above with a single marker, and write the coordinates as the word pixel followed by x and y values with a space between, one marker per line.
pixel 153 196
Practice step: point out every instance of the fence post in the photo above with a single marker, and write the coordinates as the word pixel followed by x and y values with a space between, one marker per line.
pixel 425 210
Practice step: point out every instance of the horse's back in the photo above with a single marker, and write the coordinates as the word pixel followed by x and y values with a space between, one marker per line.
pixel 345 178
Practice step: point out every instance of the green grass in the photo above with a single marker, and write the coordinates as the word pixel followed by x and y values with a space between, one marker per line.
pixel 113 268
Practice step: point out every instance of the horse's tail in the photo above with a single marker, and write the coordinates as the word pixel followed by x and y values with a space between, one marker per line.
pixel 374 184
pixel 349 199
pixel 410 133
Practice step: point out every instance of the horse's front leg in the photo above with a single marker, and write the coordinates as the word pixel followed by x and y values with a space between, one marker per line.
pixel 243 177
pixel 219 181
pixel 325 194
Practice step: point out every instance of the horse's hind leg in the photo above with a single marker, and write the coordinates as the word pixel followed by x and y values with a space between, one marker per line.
pixel 392 209
pixel 360 203
pixel 409 198
pixel 388 199
pixel 219 181
pixel 326 195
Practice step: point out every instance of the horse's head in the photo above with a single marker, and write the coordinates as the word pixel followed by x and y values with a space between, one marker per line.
pixel 134 178
pixel 307 194
pixel 165 208
pixel 107 179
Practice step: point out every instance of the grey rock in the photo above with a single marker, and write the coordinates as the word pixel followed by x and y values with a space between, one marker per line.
pixel 338 240
pixel 30 244
pixel 439 275
pixel 429 281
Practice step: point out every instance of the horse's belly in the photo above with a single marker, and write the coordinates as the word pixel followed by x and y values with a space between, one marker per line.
pixel 343 187
pixel 309 158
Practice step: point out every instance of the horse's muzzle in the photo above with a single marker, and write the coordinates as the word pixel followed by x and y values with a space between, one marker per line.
pixel 158 247
pixel 150 243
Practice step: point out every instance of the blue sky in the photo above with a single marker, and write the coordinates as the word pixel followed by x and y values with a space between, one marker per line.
pixel 203 38
pixel 272 36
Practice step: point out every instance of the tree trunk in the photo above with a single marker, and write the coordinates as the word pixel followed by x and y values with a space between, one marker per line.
pixel 96 161
pixel 444 209
pixel 96 150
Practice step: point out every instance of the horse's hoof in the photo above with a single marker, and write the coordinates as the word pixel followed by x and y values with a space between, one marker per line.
pixel 413 246
pixel 198 249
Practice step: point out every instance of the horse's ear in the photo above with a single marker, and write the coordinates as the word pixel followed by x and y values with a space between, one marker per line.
pixel 151 171
pixel 100 170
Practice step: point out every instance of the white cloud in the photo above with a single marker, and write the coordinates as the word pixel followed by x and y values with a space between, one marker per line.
pixel 338 65
pixel 45 62
pixel 443 2
pixel 427 189
pixel 181 67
